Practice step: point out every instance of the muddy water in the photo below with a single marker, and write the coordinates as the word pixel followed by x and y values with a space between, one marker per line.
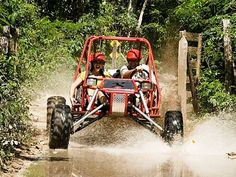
pixel 118 147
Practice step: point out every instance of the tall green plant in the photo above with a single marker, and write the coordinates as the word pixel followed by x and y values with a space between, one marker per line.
pixel 206 17
pixel 13 108
pixel 212 94
pixel 15 13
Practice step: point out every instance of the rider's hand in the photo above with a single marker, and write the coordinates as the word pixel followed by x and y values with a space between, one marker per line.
pixel 73 100
pixel 139 68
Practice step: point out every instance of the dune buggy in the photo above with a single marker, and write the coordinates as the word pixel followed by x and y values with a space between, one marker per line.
pixel 138 97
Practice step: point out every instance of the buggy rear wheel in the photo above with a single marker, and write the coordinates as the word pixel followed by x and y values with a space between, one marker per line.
pixel 51 102
pixel 173 128
pixel 60 128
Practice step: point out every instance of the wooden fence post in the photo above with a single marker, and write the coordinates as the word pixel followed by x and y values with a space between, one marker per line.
pixel 182 74
pixel 199 51
pixel 229 63
pixel 8 40
pixel 4 40
pixel 193 69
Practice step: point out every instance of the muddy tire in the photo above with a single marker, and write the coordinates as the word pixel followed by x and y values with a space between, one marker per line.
pixel 51 102
pixel 173 127
pixel 61 123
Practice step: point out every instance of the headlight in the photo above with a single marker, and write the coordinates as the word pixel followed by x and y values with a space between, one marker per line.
pixel 146 85
pixel 91 82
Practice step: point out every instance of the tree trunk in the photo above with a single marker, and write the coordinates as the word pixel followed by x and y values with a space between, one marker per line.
pixel 229 69
pixel 130 7
pixel 130 10
pixel 141 15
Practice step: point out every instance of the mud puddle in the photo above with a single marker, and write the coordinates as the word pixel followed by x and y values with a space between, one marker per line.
pixel 120 148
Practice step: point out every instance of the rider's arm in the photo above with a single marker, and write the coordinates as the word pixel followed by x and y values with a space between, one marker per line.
pixel 73 87
pixel 126 73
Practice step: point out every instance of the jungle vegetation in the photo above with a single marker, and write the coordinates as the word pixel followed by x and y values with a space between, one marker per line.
pixel 52 33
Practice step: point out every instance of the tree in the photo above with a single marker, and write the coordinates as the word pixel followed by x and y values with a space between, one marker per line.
pixel 141 15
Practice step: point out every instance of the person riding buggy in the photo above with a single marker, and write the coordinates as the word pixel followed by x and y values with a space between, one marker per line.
pixel 133 59
pixel 94 94
pixel 98 61
pixel 120 93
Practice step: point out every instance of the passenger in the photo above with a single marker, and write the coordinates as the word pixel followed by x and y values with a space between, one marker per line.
pixel 97 70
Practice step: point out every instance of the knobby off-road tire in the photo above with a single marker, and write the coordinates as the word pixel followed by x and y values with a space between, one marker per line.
pixel 60 128
pixel 173 128
pixel 51 102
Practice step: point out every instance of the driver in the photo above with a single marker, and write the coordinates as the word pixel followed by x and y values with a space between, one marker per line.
pixel 133 58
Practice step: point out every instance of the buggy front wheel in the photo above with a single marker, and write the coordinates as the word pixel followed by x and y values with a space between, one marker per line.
pixel 61 123
pixel 173 127
pixel 51 102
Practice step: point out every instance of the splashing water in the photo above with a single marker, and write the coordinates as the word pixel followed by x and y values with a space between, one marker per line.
pixel 130 147
pixel 216 135
pixel 202 154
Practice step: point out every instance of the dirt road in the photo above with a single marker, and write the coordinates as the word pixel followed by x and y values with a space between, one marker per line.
pixel 118 147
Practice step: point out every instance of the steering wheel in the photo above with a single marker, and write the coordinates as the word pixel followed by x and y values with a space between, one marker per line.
pixel 144 74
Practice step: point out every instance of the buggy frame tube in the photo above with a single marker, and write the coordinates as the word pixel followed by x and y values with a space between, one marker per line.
pixel 143 100
pixel 86 116
pixel 147 117
pixel 88 123
pixel 92 100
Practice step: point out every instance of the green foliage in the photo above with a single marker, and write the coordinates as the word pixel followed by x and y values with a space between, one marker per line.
pixel 13 109
pixel 194 15
pixel 44 46
pixel 206 17
pixel 65 10
pixel 109 22
pixel 212 94
pixel 189 18
pixel 15 13
pixel 213 45
pixel 50 41
pixel 155 33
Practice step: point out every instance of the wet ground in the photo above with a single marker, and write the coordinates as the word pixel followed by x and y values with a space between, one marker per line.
pixel 96 162
pixel 118 147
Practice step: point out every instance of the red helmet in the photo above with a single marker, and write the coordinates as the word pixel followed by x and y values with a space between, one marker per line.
pixel 134 55
pixel 98 56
